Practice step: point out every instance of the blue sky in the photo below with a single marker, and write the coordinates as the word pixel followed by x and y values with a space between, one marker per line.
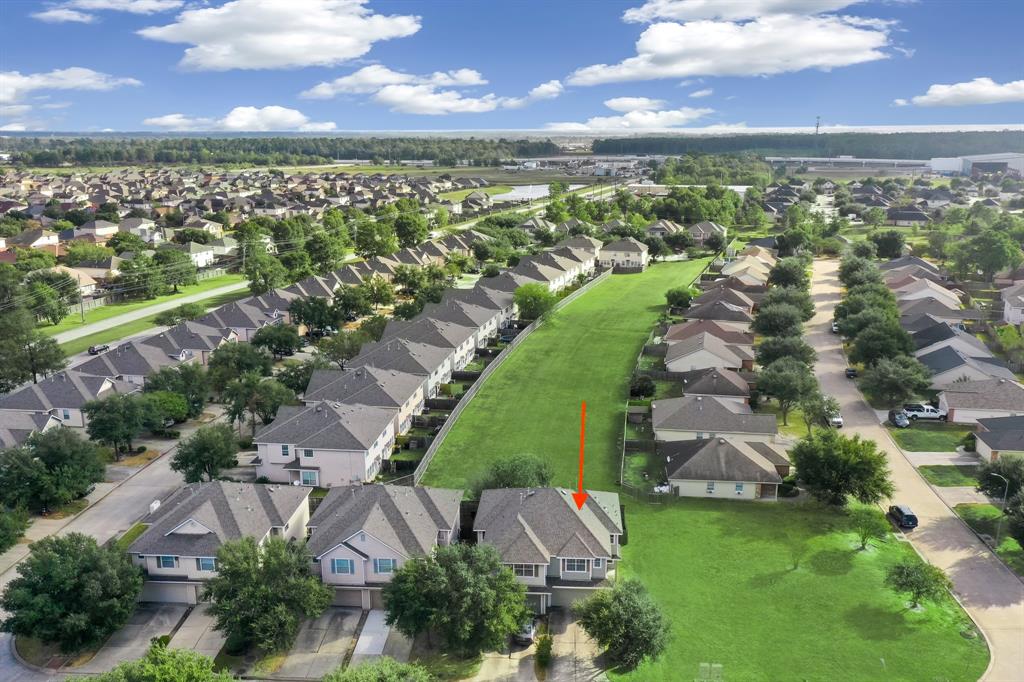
pixel 567 66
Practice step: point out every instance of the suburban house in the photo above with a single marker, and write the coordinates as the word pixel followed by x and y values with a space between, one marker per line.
pixel 906 216
pixel 361 534
pixel 243 317
pixel 726 295
pixel 702 230
pixel 86 284
pixel 627 255
pixel 17 426
pixel 193 337
pixel 33 239
pixel 662 228
pixel 746 264
pixel 729 332
pixel 388 389
pixel 325 444
pixel 1000 437
pixel 716 382
pixel 719 310
pixel 536 224
pixel 559 552
pixel 99 230
pixel 178 551
pixel 707 351
pixel 1013 304
pixel 698 417
pixel 63 395
pixel 925 288
pixel 133 362
pixel 944 335
pixel 949 366
pixel 202 255
pixel 432 363
pixel 966 402
pixel 729 468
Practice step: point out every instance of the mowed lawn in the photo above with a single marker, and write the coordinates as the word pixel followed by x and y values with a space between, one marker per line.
pixel 778 592
pixel 531 404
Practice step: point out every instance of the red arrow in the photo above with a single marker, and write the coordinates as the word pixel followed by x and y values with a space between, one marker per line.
pixel 580 497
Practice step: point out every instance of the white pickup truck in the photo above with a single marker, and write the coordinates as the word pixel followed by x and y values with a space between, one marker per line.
pixel 922 411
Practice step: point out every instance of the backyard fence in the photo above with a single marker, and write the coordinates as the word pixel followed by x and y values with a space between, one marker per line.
pixel 491 367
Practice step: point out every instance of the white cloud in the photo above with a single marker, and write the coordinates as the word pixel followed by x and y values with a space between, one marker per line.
pixel 12 110
pixel 370 79
pixel 279 34
pixel 13 127
pixel 427 99
pixel 690 10
pixel 706 92
pixel 900 102
pixel 765 46
pixel 244 119
pixel 642 118
pixel 634 103
pixel 977 91
pixel 549 90
pixel 132 6
pixel 15 85
pixel 59 15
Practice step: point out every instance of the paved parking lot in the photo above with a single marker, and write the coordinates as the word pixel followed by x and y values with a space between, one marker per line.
pixel 133 640
pixel 197 633
pixel 322 644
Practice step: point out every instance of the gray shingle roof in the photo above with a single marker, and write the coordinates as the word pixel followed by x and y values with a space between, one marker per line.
pixel 715 381
pixel 372 386
pixel 228 510
pixel 402 355
pixel 16 427
pixel 69 389
pixel 135 358
pixel 1003 440
pixel 723 459
pixel 1003 423
pixel 405 518
pixel 327 425
pixel 625 245
pixel 709 414
pixel 986 394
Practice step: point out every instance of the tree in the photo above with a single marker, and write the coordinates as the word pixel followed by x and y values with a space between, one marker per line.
pixel 384 669
pixel 115 421
pixel 295 375
pixel 184 312
pixel 874 217
pixel 625 622
pixel 232 360
pixel 163 664
pixel 326 251
pixel 190 381
pixel 679 297
pixel 178 268
pixel 834 467
pixel 278 339
pixel 71 592
pixel 1010 468
pixel 789 272
pixel 342 347
pixel 918 580
pixel 407 310
pixel 798 298
pixel 410 278
pixel 851 325
pixel 714 241
pixel 378 291
pixel 773 348
pixel 350 302
pixel 84 252
pixel 992 251
pixel 534 301
pixel 461 591
pixel 818 409
pixel 780 319
pixel 140 277
pixel 515 471
pixel 13 524
pixel 207 452
pixel 898 379
pixel 865 249
pixel 47 303
pixel 881 340
pixel 411 229
pixel 679 241
pixel 191 234
pixel 788 381
pixel 854 270
pixel 260 592
pixel 264 272
pixel 888 243
pixel 868 524
pixel 51 469
pixel 126 241
pixel 642 386
pixel 375 239
pixel 159 407
pixel 297 263
pixel 315 313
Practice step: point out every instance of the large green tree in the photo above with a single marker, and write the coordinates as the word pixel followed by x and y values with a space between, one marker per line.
pixel 177 267
pixel 780 319
pixel 515 471
pixel 881 340
pixel 919 580
pixel 53 468
pixel 789 272
pixel 25 352
pixel 190 381
pixel 71 592
pixel 115 421
pixel 625 622
pixel 141 277
pixel 789 381
pixel 163 664
pixel 773 348
pixel 383 669
pixel 342 347
pixel 375 238
pixel 834 467
pixel 206 453
pixel 232 360
pixel 264 271
pixel 797 297
pixel 277 339
pixel 326 251
pixel 534 301
pixel 411 229
pixel 261 591
pixel 898 379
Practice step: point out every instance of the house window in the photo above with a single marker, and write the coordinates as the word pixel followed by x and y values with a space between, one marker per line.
pixel 442 537
pixel 575 565
pixel 700 435
pixel 524 570
pixel 739 488
pixel 166 561
pixel 206 563
pixel 307 453
pixel 383 565
pixel 711 487
pixel 309 478
pixel 284 450
pixel 597 563
pixel 66 414
pixel 343 566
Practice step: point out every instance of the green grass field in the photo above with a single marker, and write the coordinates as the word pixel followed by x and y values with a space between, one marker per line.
pixel 925 437
pixel 532 402
pixel 74 320
pixel 780 592
pixel 946 475
pixel 493 190
pixel 984 518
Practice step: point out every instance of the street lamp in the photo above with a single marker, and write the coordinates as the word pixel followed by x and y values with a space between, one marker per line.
pixel 1006 489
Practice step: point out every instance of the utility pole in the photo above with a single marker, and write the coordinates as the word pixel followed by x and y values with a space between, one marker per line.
pixel 817 124
pixel 1006 489
pixel 81 301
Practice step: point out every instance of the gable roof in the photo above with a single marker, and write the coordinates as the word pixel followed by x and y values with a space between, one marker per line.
pixel 1005 439
pixel 985 394
pixel 948 358
pixel 719 310
pixel 727 331
pixel 1003 423
pixel 365 385
pixel 327 425
pixel 627 245
pixel 404 518
pixel 730 355
pixel 68 389
pixel 715 381
pixel 710 414
pixel 17 426
pixel 723 459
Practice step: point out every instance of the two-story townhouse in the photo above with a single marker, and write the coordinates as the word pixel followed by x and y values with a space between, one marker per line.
pixel 1013 303
pixel 242 317
pixel 368 385
pixel 63 395
pixel 178 550
pixel 432 363
pixel 560 552
pixel 442 334
pixel 325 444
pixel 17 426
pixel 484 321
pixel 360 535
pixel 493 299
pixel 555 278
pixel 625 254
pixel 193 337
pixel 132 362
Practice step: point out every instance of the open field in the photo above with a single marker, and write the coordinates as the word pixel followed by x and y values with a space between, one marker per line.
pixel 74 320
pixel 532 402
pixel 493 190
pixel 780 592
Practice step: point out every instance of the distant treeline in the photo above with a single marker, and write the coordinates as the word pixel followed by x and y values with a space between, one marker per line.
pixel 267 151
pixel 866 145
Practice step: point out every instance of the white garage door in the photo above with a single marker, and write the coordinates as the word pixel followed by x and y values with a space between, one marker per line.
pixel 168 593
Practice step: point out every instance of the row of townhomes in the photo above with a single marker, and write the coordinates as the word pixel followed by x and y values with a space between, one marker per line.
pixel 713 443
pixel 359 535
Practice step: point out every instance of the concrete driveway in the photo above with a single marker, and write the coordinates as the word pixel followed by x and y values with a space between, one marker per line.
pixel 989 591
pixel 133 640
pixel 197 633
pixel 322 644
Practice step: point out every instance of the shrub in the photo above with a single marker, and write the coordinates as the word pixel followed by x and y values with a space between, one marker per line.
pixel 642 387
pixel 544 645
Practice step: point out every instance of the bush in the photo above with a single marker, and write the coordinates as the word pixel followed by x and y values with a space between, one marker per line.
pixel 13 524
pixel 788 490
pixel 969 442
pixel 544 645
pixel 642 387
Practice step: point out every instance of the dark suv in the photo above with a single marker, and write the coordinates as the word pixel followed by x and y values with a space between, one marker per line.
pixel 902 515
pixel 96 350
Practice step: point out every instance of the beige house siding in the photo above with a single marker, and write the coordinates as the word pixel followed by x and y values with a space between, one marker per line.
pixel 671 435
pixel 335 467
pixel 721 490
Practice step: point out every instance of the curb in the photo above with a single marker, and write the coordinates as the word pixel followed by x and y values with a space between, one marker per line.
pixel 25 664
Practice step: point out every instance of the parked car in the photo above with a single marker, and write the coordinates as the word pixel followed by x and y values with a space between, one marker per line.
pixel 526 633
pixel 898 418
pixel 851 372
pixel 903 516
pixel 922 411
pixel 836 420
pixel 835 327
pixel 96 350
